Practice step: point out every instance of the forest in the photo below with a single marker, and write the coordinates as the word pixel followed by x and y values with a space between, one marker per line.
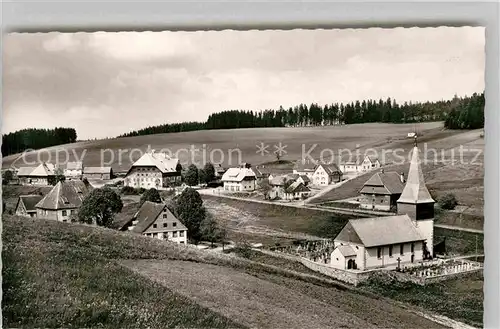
pixel 26 139
pixel 457 113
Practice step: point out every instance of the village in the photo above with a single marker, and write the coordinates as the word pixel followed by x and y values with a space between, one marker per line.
pixel 396 237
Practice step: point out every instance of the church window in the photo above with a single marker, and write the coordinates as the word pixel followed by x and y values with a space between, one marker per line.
pixel 379 252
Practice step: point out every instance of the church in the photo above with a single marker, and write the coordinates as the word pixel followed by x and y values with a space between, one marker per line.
pixel 391 241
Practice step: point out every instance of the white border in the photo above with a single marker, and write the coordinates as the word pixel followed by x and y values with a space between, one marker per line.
pixel 39 16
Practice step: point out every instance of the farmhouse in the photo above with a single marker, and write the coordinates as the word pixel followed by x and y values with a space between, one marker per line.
pixel 326 174
pixel 391 240
pixel 286 188
pixel 296 191
pixel 26 205
pixel 239 179
pixel 299 178
pixel 304 167
pixel 382 191
pixel 156 170
pixel 260 174
pixel 74 170
pixel 103 173
pixel 43 174
pixel 360 164
pixel 63 200
pixel 157 221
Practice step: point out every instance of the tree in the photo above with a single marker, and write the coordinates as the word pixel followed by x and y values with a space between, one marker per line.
pixel 99 207
pixel 201 176
pixel 210 230
pixel 265 187
pixel 191 212
pixel 448 201
pixel 59 173
pixel 191 175
pixel 209 172
pixel 7 177
pixel 150 195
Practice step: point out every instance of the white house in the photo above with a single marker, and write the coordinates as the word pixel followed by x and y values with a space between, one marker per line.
pixel 297 191
pixel 391 240
pixel 239 179
pixel 74 170
pixel 156 170
pixel 157 221
pixel 326 174
pixel 360 164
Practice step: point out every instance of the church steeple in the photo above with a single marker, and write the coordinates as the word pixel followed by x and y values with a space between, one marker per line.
pixel 415 191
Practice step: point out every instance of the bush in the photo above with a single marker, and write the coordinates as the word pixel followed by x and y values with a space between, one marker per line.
pixel 141 190
pixel 448 201
pixel 128 190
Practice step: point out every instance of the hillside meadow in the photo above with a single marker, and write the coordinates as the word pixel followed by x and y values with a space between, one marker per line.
pixel 216 145
pixel 71 275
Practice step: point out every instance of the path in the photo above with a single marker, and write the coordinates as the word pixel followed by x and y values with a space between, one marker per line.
pixel 457 228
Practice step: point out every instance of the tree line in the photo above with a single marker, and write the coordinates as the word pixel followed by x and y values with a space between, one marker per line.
pixel 458 113
pixel 32 138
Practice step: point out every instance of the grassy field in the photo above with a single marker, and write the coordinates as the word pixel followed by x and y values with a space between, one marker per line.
pixel 270 224
pixel 335 138
pixel 70 275
pixel 460 299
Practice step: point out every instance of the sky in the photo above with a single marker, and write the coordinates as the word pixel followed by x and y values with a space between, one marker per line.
pixel 107 83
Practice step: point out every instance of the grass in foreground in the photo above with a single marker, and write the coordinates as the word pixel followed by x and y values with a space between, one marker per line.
pixel 57 275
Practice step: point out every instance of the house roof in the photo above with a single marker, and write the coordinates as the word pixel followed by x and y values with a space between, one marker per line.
pixel 358 159
pixel 238 175
pixel 278 180
pixel 260 172
pixel 147 215
pixel 65 195
pixel 297 187
pixel 161 161
pixel 97 170
pixel 305 178
pixel 331 169
pixel 380 231
pixel 30 201
pixel 415 190
pixel 77 165
pixel 384 183
pixel 346 251
pixel 305 165
pixel 25 171
pixel 42 170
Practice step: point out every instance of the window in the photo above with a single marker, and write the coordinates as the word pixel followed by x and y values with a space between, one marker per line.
pixel 165 224
pixel 64 213
pixel 390 251
pixel 154 225
pixel 182 242
pixel 412 247
pixel 401 248
pixel 155 235
pixel 379 252
pixel 174 234
pixel 181 234
pixel 174 224
pixel 164 215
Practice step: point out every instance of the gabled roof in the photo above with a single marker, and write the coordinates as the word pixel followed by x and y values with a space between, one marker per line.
pixel 42 170
pixel 358 159
pixel 147 215
pixel 65 195
pixel 346 250
pixel 161 161
pixel 25 171
pixel 305 178
pixel 415 190
pixel 384 183
pixel 29 201
pixel 77 165
pixel 278 180
pixel 297 187
pixel 97 170
pixel 380 231
pixel 238 175
pixel 331 169
pixel 260 172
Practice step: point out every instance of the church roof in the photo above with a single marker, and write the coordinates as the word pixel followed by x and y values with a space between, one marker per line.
pixel 346 251
pixel 415 190
pixel 380 231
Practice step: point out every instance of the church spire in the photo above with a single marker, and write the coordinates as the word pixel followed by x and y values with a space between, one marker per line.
pixel 415 191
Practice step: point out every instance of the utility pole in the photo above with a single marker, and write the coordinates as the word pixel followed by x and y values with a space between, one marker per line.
pixel 476 247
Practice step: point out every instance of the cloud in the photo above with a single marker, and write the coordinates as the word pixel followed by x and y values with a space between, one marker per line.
pixel 105 84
